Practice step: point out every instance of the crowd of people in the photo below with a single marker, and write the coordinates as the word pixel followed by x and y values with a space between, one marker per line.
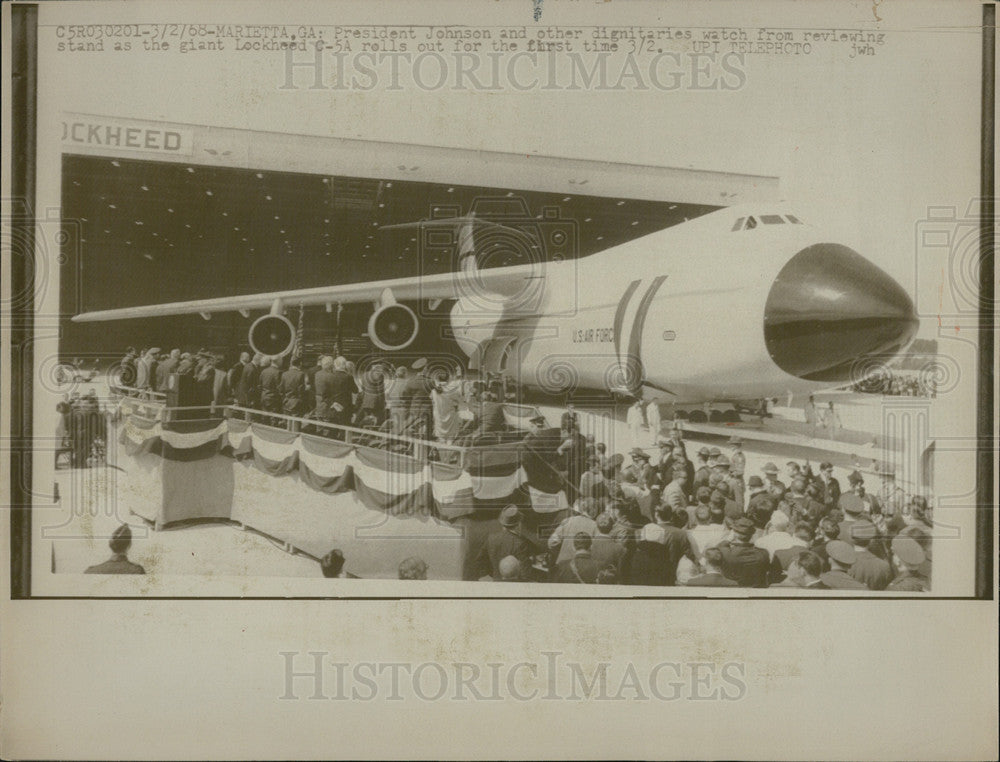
pixel 412 401
pixel 669 520
pixel 660 520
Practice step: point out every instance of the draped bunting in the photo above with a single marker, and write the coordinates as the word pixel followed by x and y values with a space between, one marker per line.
pixel 382 480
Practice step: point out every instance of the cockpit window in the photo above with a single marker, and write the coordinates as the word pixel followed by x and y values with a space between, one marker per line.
pixel 751 223
pixel 739 223
pixel 793 219
pixel 772 219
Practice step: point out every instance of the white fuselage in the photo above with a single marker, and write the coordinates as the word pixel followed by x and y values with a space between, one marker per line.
pixel 676 315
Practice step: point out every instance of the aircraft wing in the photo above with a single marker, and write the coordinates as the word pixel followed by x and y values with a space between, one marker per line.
pixel 501 281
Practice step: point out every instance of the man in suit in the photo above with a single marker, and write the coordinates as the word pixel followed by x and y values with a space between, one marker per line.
pixel 507 542
pixel 648 561
pixel 743 562
pixel 675 539
pixel 581 568
pixel 713 576
pixel 248 389
pixel 841 556
pixel 221 392
pixel 802 538
pixel 270 378
pixel 831 487
pixel 165 368
pixel 874 572
pixel 605 550
pixel 342 391
pixel 121 541
pixel 323 386
pixel 908 557
pixel 771 477
pixel 804 571
pixel 704 471
pixel 292 388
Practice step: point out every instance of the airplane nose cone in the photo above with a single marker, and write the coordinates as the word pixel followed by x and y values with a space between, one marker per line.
pixel 830 307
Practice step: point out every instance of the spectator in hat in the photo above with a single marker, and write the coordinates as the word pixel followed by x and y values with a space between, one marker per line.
pixel 908 557
pixel 802 538
pixel 758 492
pixel 742 561
pixel 856 483
pixel 580 568
pixel 771 480
pixel 508 541
pixel 413 568
pixel 581 521
pixel 804 571
pixel 738 460
pixel 120 542
pixel 665 459
pixel 853 510
pixel 874 572
pixel 841 557
pixel 714 453
pixel 776 536
pixel 647 562
pixel 332 565
pixel 704 471
pixel 712 576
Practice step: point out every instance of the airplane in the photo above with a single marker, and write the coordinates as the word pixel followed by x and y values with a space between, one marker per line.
pixel 739 304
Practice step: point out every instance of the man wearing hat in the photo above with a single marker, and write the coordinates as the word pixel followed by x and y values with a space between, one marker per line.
pixel 841 556
pixel 874 572
pixel 908 556
pixel 758 493
pixel 640 472
pixel 738 461
pixel 714 454
pixel 854 511
pixel 742 561
pixel 665 459
pixel 771 478
pixel 508 541
pixel 704 471
pixel 120 542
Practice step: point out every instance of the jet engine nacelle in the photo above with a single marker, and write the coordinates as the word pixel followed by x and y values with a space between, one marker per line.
pixel 393 327
pixel 272 336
